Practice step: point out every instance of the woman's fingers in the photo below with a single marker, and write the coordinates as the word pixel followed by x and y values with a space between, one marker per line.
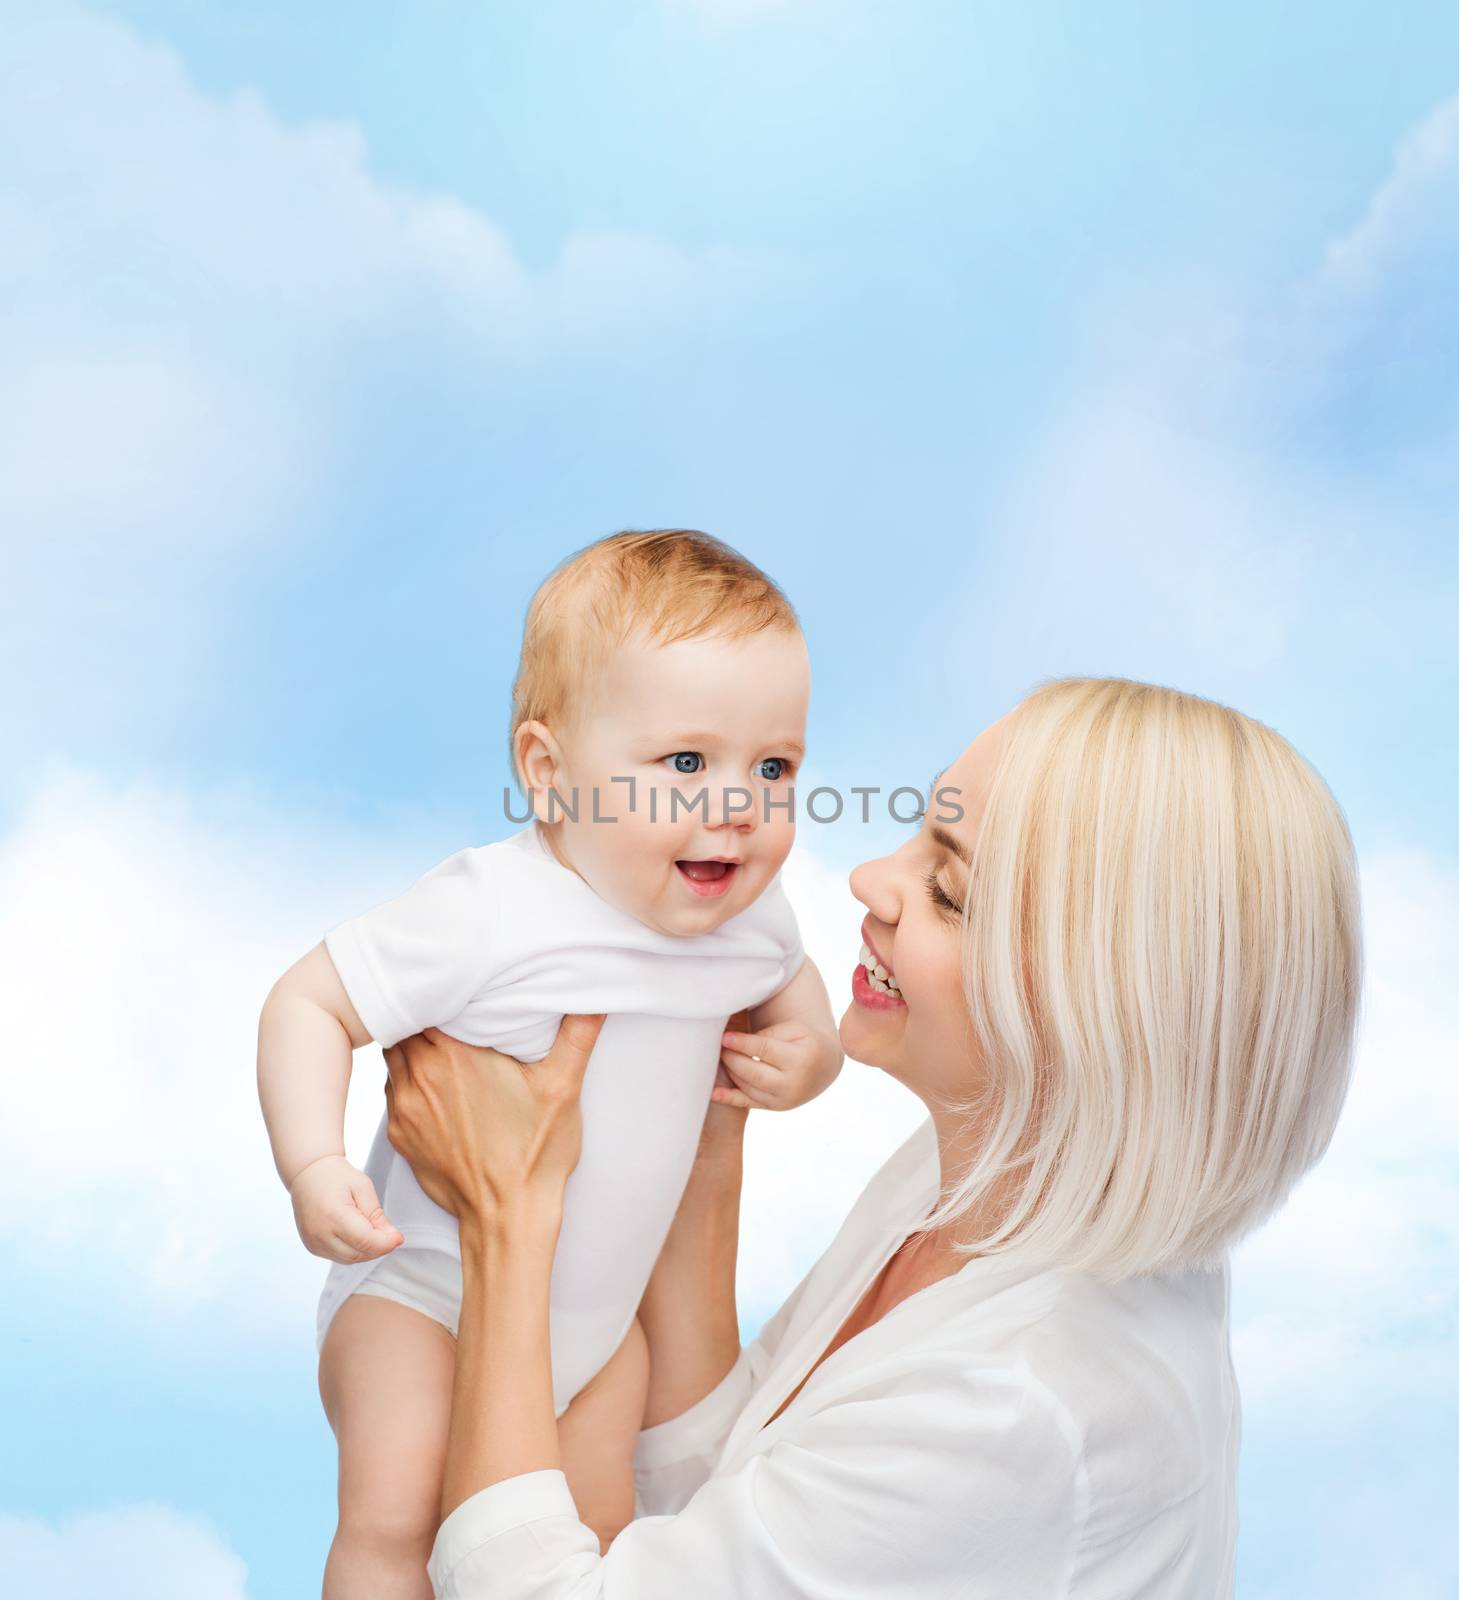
pixel 395 1076
pixel 572 1049
pixel 481 1128
pixel 397 1067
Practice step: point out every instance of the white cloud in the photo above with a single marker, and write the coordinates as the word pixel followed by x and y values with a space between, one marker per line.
pixel 1346 1306
pixel 1414 212
pixel 1348 1300
pixel 143 1552
pixel 143 936
pixel 1375 331
pixel 150 220
pixel 1205 504
pixel 1162 548
pixel 207 313
pixel 104 448
pixel 118 152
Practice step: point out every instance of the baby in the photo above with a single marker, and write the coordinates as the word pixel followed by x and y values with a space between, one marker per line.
pixel 658 719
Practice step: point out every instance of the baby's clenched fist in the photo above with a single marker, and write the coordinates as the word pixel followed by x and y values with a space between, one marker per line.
pixel 338 1214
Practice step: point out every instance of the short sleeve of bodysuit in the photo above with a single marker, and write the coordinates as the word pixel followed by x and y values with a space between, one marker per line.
pixel 413 961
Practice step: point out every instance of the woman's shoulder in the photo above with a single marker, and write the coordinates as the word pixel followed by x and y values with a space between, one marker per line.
pixel 1150 1338
pixel 1134 1377
pixel 1142 1371
pixel 1123 1391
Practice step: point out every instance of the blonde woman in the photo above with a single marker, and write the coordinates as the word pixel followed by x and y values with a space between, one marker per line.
pixel 1124 984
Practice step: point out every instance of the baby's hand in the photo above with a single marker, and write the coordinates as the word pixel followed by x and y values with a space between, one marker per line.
pixel 782 1066
pixel 338 1214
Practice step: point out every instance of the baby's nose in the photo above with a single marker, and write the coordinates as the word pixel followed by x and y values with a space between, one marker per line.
pixel 735 808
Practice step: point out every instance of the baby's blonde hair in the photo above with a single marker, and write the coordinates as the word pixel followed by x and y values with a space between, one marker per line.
pixel 1162 960
pixel 663 584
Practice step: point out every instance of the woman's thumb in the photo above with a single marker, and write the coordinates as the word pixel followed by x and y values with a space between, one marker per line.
pixel 574 1043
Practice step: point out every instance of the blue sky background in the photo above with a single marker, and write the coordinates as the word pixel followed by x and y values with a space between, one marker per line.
pixel 1012 340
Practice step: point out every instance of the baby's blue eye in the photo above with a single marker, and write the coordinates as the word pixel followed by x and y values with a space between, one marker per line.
pixel 685 761
pixel 772 768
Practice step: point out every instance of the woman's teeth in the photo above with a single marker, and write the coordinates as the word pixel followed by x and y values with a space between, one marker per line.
pixel 877 975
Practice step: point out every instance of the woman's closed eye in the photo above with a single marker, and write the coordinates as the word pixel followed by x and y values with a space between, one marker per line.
pixel 939 896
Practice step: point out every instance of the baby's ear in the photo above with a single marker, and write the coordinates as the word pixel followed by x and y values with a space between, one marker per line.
pixel 538 759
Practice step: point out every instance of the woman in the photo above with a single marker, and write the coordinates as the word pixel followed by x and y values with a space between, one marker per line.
pixel 1128 981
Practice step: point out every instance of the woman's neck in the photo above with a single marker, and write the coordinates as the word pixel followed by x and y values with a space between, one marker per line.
pixel 958 1140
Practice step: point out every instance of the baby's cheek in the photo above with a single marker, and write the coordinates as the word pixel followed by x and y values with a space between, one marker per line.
pixel 778 836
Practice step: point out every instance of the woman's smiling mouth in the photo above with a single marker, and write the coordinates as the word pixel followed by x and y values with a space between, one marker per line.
pixel 873 984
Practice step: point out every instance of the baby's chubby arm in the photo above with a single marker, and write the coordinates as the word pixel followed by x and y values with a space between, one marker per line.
pixel 307 1032
pixel 794 1035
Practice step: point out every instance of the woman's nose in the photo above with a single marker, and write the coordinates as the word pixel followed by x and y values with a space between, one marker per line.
pixel 874 885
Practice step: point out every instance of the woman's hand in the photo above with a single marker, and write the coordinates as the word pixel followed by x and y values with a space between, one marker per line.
pixel 487 1135
pixel 494 1141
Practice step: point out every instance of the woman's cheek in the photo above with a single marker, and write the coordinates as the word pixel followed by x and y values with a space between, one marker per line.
pixel 937 978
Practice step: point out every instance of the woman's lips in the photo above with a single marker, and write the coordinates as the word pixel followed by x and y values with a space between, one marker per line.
pixel 873 999
pixel 708 878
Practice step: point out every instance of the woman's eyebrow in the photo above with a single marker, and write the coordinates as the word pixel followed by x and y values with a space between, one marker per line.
pixel 951 843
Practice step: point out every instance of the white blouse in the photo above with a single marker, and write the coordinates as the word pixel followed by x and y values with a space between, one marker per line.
pixel 1002 1434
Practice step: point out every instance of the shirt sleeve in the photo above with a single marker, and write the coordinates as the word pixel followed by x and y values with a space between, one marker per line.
pixel 416 961
pixel 928 1483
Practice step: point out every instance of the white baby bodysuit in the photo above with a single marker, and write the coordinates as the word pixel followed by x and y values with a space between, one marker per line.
pixel 494 946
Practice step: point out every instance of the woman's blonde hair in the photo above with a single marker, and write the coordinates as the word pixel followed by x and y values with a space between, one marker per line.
pixel 1162 959
pixel 664 584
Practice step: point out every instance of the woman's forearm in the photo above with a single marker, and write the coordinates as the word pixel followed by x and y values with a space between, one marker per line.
pixel 688 1311
pixel 502 1410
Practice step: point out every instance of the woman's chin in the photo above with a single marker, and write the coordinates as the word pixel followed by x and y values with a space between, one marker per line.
pixel 861 1039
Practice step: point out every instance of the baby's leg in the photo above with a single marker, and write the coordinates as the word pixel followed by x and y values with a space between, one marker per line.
pixel 597 1434
pixel 385 1379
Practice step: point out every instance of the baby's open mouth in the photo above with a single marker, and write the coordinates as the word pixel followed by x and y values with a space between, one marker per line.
pixel 707 877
